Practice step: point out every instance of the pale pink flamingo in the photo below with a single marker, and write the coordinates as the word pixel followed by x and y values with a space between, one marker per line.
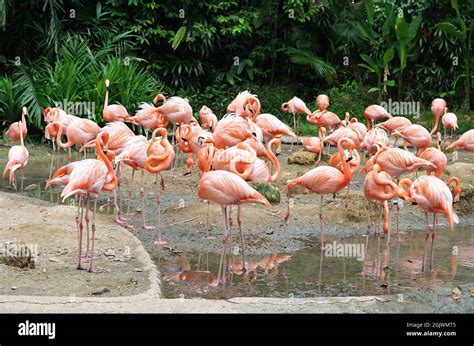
pixel 327 119
pixel 245 105
pixel 17 159
pixel 90 177
pixel 226 189
pixel 394 123
pixel 230 131
pixel 449 121
pixel 325 180
pixel 295 106
pixel 315 144
pixel 13 131
pixel 113 112
pixel 344 132
pixel 373 113
pixel 322 101
pixel 272 127
pixel 433 196
pixel 354 124
pixel 438 107
pixel 159 159
pixel 148 117
pixel 373 139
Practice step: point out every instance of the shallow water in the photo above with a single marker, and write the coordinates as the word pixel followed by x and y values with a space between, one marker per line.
pixel 311 272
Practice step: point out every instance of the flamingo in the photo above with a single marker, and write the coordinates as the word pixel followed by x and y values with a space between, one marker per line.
pixel 433 196
pixel 438 107
pixel 435 156
pixel 226 189
pixel 394 123
pixel 373 113
pixel 322 101
pixel 14 130
pixel 113 112
pixel 191 139
pixel 295 106
pixel 373 138
pixel 245 105
pixel 208 119
pixel 396 162
pixel 344 132
pixel 416 135
pixel 449 121
pixel 465 142
pixel 159 159
pixel 230 131
pixel 326 119
pixel 272 127
pixel 79 131
pixel 149 118
pixel 176 110
pixel 315 144
pixel 355 124
pixel 325 180
pixel 378 186
pixel 89 177
pixel 17 158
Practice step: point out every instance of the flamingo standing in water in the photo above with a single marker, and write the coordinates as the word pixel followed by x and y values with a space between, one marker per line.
pixel 438 107
pixel 226 189
pixel 433 196
pixel 378 186
pixel 373 113
pixel 14 130
pixel 159 159
pixel 325 180
pixel 89 177
pixel 17 159
pixel 113 112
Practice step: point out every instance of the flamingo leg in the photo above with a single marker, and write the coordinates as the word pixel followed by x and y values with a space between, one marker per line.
pixel 142 197
pixel 130 194
pixel 221 273
pixel 22 178
pixel 158 221
pixel 427 234
pixel 321 222
pixel 207 236
pixel 87 226
pixel 79 231
pixel 93 234
pixel 239 223
pixel 433 236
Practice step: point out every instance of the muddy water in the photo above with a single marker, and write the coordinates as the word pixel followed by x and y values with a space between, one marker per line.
pixel 365 267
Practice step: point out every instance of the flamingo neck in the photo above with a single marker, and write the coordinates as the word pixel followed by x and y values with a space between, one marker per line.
pixel 111 178
pixel 275 162
pixel 106 101
pixel 402 193
pixel 58 136
pixel 346 169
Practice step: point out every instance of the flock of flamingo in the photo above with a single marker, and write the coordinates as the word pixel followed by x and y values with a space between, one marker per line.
pixel 239 148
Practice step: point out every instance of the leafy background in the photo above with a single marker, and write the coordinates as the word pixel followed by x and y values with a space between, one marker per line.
pixel 358 52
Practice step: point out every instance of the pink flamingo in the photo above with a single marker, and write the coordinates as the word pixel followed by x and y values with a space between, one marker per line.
pixel 113 112
pixel 433 196
pixel 245 105
pixel 326 119
pixel 176 110
pixel 438 107
pixel 191 138
pixel 373 113
pixel 272 127
pixel 159 159
pixel 465 142
pixel 378 186
pixel 416 135
pixel 315 144
pixel 322 101
pixel 394 123
pixel 148 117
pixel 89 177
pixel 295 106
pixel 344 132
pixel 325 180
pixel 230 131
pixel 373 139
pixel 449 121
pixel 208 119
pixel 226 189
pixel 354 124
pixel 435 156
pixel 17 159
pixel 14 130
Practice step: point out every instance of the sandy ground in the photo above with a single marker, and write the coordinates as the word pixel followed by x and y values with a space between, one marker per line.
pixel 128 281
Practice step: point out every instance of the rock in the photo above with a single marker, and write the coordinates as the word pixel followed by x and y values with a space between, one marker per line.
pixel 110 253
pixel 302 158
pixel 139 270
pixel 100 291
pixel 14 288
pixel 269 232
pixel 51 259
pixel 268 191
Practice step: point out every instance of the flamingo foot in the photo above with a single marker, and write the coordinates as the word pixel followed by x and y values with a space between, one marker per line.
pixel 87 259
pixel 145 226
